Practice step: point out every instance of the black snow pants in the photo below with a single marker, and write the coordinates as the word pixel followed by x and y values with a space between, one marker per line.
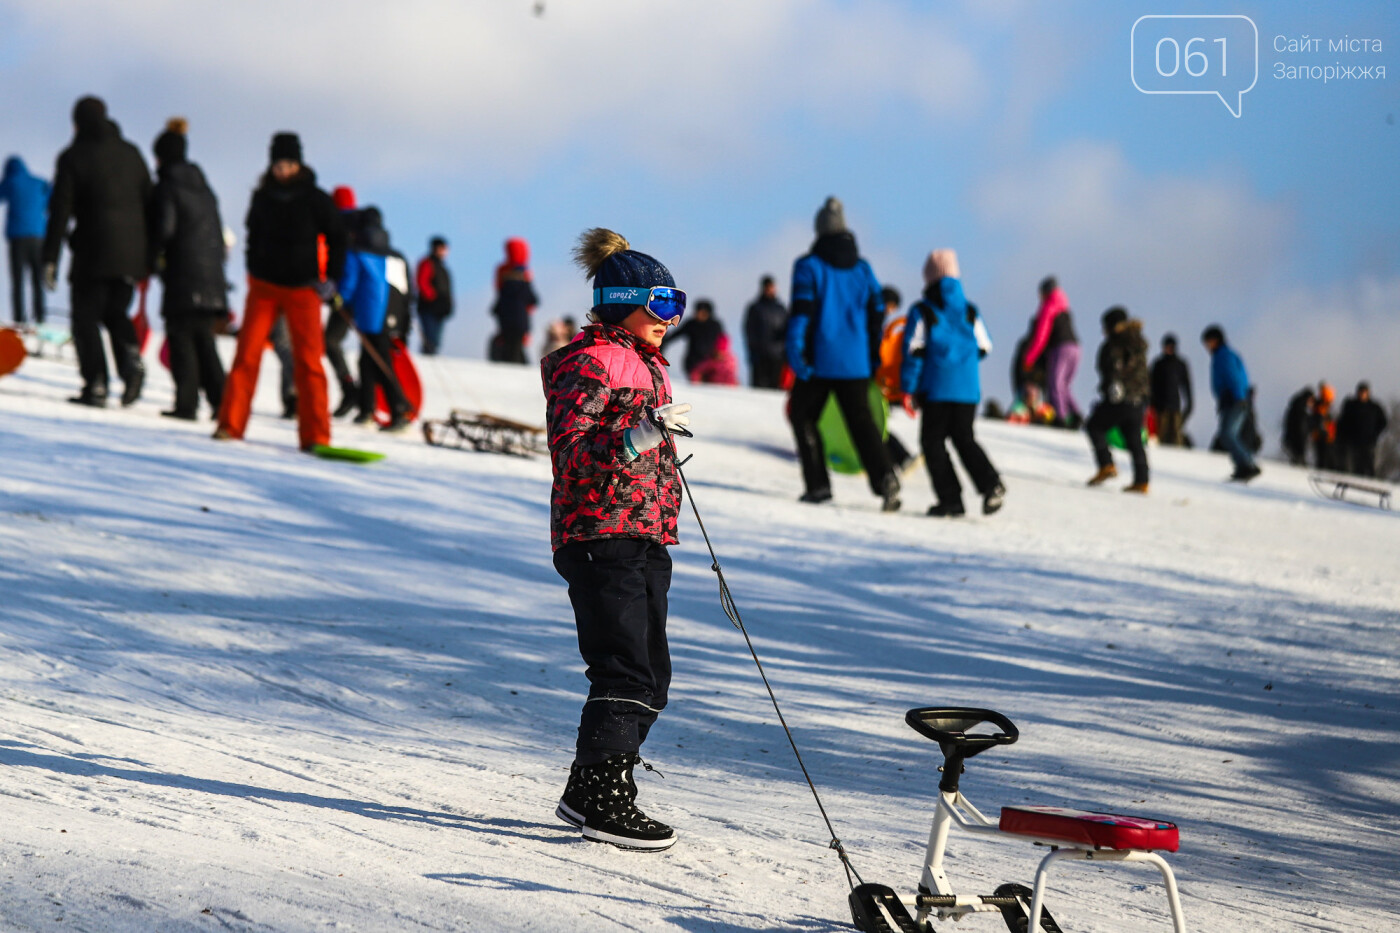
pixel 1127 418
pixel 337 327
pixel 372 376
pixel 618 588
pixel 26 262
pixel 952 421
pixel 853 396
pixel 194 362
pixel 99 303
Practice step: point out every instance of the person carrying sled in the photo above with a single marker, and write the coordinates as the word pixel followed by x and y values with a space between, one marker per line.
pixel 365 290
pixel 613 513
pixel 187 246
pixel 101 187
pixel 1229 383
pixel 833 347
pixel 1124 388
pixel 940 375
pixel 288 219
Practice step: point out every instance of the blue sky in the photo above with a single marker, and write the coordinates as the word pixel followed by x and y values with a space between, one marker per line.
pixel 710 133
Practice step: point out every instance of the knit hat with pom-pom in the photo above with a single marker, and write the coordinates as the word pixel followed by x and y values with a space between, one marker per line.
pixel 172 145
pixel 609 260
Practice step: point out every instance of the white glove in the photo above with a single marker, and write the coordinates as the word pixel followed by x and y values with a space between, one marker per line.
pixel 646 435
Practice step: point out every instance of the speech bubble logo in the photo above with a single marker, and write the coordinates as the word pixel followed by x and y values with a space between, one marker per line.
pixel 1186 54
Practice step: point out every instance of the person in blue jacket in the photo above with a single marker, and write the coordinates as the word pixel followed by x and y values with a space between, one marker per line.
pixel 940 374
pixel 833 347
pixel 1230 384
pixel 25 221
pixel 365 288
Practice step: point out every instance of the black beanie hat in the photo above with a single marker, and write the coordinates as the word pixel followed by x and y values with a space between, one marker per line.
pixel 608 259
pixel 172 146
pixel 1213 332
pixel 1113 317
pixel 89 113
pixel 286 146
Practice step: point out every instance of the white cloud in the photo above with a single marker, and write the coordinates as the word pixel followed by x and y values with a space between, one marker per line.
pixel 456 87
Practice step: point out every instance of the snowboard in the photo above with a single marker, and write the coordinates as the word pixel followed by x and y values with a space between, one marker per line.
pixel 348 454
pixel 840 449
pixel 407 375
pixel 12 352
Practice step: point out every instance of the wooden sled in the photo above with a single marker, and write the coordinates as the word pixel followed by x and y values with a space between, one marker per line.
pixel 484 432
pixel 1350 489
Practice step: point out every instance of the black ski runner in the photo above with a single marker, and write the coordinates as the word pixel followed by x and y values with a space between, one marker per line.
pixel 731 610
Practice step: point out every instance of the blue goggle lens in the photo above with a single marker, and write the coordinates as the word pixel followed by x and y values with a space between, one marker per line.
pixel 666 304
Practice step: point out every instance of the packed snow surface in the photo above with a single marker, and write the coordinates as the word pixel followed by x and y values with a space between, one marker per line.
pixel 245 689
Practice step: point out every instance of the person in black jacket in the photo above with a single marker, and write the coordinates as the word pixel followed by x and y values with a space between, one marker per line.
pixel 1171 394
pixel 434 282
pixel 701 334
pixel 289 220
pixel 1360 426
pixel 515 302
pixel 1123 391
pixel 187 246
pixel 765 332
pixel 101 186
pixel 1297 425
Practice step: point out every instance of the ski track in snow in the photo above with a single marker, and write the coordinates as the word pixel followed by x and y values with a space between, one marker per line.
pixel 248 690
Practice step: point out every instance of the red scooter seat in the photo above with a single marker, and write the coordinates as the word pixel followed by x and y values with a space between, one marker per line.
pixel 1101 830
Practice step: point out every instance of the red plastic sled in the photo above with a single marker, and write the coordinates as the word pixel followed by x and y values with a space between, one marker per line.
pixel 407 374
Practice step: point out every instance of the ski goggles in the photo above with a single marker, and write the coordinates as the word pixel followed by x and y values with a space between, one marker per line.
pixel 662 302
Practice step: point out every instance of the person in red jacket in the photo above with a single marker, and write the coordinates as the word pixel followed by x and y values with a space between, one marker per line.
pixel 613 513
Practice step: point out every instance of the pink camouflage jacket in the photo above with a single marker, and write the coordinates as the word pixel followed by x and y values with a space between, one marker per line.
pixel 595 388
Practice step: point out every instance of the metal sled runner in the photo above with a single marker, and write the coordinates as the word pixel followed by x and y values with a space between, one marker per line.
pixel 1069 834
pixel 488 433
pixel 1338 487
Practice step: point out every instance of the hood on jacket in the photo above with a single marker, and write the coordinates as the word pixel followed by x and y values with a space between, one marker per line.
pixel 517 252
pixel 1054 303
pixel 370 235
pixel 837 249
pixel 15 167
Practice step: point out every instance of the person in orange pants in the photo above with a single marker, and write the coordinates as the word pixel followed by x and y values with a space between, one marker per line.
pixel 296 244
pixel 302 308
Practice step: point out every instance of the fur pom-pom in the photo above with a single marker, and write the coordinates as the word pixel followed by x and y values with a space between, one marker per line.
pixel 177 125
pixel 594 248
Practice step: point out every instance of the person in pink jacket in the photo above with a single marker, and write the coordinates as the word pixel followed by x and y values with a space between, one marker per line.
pixel 1052 333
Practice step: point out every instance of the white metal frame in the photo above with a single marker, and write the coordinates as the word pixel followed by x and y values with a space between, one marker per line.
pixel 955 810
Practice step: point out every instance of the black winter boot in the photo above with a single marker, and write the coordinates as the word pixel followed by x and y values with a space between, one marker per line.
pixel 601 800
pixel 134 380
pixel 349 398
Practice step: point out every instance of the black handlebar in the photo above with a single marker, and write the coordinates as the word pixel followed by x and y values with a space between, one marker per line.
pixel 949 725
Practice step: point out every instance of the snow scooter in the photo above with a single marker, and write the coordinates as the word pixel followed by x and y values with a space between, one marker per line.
pixel 1069 834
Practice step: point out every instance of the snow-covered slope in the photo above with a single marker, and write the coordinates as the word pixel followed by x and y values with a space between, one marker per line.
pixel 245 689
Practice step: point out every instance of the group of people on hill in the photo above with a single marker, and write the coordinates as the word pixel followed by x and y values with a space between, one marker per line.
pixel 305 250
pixel 1344 443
